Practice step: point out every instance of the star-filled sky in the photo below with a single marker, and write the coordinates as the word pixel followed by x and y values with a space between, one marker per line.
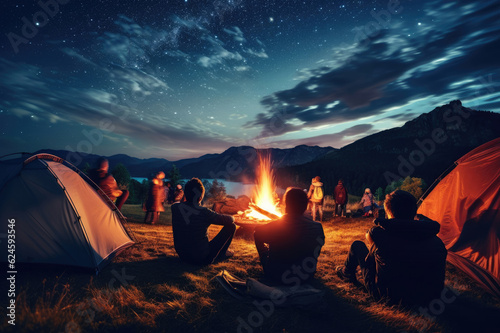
pixel 179 79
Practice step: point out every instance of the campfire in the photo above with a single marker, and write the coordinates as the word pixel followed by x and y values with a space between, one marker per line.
pixel 265 202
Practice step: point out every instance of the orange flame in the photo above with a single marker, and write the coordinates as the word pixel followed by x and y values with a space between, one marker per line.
pixel 264 194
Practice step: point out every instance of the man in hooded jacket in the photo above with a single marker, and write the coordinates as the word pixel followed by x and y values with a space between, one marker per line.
pixel 340 196
pixel 405 260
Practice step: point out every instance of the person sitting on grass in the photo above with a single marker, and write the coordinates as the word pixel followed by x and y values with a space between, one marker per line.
pixel 190 222
pixel 405 260
pixel 289 247
pixel 107 183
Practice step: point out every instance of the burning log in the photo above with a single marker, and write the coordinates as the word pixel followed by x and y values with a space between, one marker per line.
pixel 263 211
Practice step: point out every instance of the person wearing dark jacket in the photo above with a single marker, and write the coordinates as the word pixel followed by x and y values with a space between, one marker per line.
pixel 190 222
pixel 340 196
pixel 289 247
pixel 405 261
pixel 156 197
pixel 108 184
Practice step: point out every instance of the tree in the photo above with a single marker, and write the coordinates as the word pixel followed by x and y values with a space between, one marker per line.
pixel 413 185
pixel 379 194
pixel 393 186
pixel 217 191
pixel 86 168
pixel 207 185
pixel 138 192
pixel 174 175
pixel 122 176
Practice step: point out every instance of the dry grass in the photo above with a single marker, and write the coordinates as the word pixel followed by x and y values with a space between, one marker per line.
pixel 148 289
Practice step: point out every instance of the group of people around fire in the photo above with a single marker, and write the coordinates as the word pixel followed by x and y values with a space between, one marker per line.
pixel 401 260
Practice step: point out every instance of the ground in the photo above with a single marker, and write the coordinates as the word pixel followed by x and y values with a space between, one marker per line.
pixel 148 289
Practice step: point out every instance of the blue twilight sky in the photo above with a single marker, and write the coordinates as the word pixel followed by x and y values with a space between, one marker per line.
pixel 178 79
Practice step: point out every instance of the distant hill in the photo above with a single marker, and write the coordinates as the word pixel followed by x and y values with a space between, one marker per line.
pixel 236 163
pixel 423 147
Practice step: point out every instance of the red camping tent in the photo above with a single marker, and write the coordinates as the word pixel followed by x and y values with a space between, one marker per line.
pixel 467 205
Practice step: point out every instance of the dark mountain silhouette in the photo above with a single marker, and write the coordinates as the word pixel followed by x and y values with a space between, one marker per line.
pixel 423 147
pixel 238 163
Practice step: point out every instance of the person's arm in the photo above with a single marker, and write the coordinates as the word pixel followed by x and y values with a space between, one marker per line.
pixel 218 219
pixel 369 239
pixel 309 193
pixel 113 185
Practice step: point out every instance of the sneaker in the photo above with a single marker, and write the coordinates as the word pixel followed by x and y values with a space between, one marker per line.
pixel 343 276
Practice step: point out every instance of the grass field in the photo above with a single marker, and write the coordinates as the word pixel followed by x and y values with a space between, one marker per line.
pixel 148 289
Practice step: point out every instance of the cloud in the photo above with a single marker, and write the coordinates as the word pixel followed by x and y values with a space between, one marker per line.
pixel 25 94
pixel 339 139
pixel 236 33
pixel 391 69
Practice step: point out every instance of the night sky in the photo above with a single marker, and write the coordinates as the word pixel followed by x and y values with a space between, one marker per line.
pixel 179 79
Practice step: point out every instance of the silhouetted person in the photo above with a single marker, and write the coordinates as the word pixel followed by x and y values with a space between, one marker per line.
pixel 315 196
pixel 169 193
pixel 289 247
pixel 340 196
pixel 179 194
pixel 156 197
pixel 190 223
pixel 108 184
pixel 406 261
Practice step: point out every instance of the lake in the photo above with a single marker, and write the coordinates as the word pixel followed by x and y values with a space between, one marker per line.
pixel 232 188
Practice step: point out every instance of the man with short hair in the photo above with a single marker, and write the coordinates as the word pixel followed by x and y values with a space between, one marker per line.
pixel 405 260
pixel 107 183
pixel 190 222
pixel 289 247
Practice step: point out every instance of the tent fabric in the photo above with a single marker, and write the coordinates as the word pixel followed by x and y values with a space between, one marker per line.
pixel 467 205
pixel 60 218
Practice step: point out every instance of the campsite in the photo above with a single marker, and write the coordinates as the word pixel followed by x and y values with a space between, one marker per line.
pixel 148 288
pixel 250 166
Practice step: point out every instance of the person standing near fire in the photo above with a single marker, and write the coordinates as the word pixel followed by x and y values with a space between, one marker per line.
pixel 316 197
pixel 340 196
pixel 156 197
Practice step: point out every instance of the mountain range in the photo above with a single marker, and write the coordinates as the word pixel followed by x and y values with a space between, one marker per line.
pixel 235 163
pixel 423 147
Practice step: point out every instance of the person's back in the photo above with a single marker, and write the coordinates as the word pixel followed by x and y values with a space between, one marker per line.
pixel 294 243
pixel 340 194
pixel 410 260
pixel 190 223
pixel 190 227
pixel 404 261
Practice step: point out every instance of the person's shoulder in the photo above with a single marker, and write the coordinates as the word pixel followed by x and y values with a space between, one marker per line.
pixel 376 232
